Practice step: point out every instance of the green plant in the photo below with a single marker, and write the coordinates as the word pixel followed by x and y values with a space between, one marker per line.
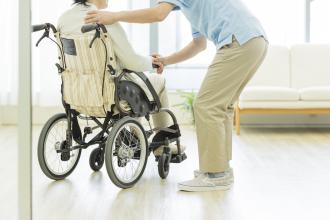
pixel 188 103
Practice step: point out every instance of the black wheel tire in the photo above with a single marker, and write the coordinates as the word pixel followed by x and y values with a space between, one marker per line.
pixel 108 153
pixel 41 145
pixel 96 159
pixel 164 165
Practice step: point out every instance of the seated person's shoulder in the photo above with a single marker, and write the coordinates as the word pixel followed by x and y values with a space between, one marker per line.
pixel 72 19
pixel 65 18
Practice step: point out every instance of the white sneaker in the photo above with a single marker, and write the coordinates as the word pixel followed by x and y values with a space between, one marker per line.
pixel 230 171
pixel 173 147
pixel 203 183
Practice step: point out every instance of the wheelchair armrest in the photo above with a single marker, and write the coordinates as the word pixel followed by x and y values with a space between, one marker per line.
pixel 146 81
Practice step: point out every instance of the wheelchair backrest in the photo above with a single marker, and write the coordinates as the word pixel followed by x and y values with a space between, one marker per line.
pixel 87 84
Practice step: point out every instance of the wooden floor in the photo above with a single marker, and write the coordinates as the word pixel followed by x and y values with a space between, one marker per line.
pixel 280 173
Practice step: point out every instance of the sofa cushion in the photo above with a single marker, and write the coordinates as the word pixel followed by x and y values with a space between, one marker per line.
pixel 310 65
pixel 321 93
pixel 284 105
pixel 269 93
pixel 275 69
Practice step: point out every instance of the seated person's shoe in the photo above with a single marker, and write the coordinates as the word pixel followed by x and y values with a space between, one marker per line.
pixel 173 147
pixel 204 183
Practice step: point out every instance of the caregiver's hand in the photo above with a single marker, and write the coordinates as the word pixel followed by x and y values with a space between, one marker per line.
pixel 101 17
pixel 155 60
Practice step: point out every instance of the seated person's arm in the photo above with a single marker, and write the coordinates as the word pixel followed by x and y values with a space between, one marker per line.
pixel 124 51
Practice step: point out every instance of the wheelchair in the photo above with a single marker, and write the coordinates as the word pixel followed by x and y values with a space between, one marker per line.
pixel 94 89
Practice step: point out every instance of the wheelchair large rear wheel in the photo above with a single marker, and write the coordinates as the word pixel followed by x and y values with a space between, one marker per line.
pixel 126 152
pixel 54 164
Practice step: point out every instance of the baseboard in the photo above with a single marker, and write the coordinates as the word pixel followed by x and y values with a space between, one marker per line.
pixel 8 116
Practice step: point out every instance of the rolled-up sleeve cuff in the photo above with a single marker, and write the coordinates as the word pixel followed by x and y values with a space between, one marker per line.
pixel 196 35
pixel 173 2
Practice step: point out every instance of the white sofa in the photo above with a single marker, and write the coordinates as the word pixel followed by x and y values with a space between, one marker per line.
pixel 292 80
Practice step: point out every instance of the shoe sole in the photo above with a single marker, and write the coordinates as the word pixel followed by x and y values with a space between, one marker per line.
pixel 204 188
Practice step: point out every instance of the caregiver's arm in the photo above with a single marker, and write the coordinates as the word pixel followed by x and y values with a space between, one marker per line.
pixel 196 46
pixel 150 15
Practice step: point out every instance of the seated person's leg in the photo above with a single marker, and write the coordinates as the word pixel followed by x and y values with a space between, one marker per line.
pixel 162 120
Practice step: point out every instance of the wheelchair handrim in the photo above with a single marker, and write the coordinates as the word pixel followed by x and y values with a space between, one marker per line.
pixel 52 158
pixel 135 166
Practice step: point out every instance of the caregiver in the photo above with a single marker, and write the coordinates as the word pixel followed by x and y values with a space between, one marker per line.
pixel 241 47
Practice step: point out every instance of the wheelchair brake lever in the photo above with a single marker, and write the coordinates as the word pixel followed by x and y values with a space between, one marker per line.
pixel 92 42
pixel 97 35
pixel 45 34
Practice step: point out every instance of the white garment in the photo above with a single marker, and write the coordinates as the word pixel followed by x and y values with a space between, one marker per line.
pixel 72 20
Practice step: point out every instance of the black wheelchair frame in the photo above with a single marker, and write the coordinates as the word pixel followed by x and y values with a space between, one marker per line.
pixel 124 90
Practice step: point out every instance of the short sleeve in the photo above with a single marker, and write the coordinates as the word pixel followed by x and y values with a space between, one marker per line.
pixel 176 3
pixel 195 33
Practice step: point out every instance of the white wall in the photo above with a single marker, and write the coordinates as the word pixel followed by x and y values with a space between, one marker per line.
pixel 282 19
pixel 9 52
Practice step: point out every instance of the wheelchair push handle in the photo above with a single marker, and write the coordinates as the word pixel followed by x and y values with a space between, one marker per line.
pixel 155 66
pixel 46 27
pixel 93 27
pixel 39 27
pixel 88 28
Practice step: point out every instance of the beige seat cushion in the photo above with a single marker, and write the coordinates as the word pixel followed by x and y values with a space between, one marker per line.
pixel 284 105
pixel 315 93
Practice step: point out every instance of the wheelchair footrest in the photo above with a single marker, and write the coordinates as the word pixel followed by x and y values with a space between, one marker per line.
pixel 170 133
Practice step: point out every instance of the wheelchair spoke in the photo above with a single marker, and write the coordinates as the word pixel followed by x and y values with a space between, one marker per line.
pixel 57 134
pixel 128 140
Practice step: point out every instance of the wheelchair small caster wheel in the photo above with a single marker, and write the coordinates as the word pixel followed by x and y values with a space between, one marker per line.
pixel 96 159
pixel 164 165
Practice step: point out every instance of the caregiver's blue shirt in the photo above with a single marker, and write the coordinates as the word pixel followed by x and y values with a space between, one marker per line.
pixel 219 20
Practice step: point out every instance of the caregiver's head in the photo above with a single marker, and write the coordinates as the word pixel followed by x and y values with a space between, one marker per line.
pixel 100 4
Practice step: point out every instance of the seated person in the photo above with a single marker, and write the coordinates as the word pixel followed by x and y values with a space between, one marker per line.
pixel 71 22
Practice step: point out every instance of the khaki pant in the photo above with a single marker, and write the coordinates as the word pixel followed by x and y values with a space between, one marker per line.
pixel 160 120
pixel 230 71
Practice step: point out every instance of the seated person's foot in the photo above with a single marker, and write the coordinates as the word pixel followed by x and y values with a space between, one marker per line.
pixel 172 146
pixel 207 182
pixel 229 171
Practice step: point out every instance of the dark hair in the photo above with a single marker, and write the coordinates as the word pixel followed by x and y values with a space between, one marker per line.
pixel 83 2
